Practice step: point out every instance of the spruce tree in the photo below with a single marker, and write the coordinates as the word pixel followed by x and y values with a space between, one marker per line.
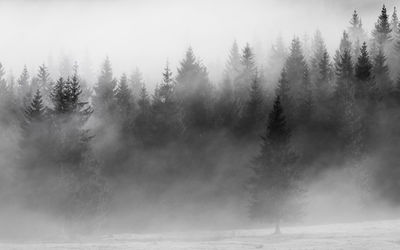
pixel 23 89
pixel 36 110
pixel 225 110
pixel 103 99
pixel 247 59
pixel 356 32
pixel 125 104
pixel 283 91
pixel 252 115
pixel 4 89
pixel 306 102
pixel 233 65
pixel 193 90
pixel 143 121
pixel 243 81
pixel 382 29
pixel 392 50
pixel 276 60
pixel 136 83
pixel 363 73
pixel 166 111
pixel 324 76
pixel 381 75
pixel 295 67
pixel 273 187
pixel 318 52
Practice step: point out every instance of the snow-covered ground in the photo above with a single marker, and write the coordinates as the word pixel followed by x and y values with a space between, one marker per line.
pixel 375 235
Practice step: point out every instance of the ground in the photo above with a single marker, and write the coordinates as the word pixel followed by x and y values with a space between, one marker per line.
pixel 383 235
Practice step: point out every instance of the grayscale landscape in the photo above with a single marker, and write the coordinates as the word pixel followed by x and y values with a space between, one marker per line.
pixel 186 124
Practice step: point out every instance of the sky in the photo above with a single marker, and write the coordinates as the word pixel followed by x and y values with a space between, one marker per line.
pixel 147 33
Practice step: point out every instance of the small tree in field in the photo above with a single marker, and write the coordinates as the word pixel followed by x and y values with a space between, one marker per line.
pixel 274 185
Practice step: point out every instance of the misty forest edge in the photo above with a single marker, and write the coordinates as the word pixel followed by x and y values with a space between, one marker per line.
pixel 259 137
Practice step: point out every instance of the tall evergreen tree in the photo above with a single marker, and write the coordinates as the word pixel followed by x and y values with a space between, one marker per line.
pixel 363 73
pixel 23 89
pixel 243 81
pixel 392 50
pixel 318 52
pixel 104 100
pixel 36 110
pixel 143 121
pixel 233 65
pixel 193 88
pixel 252 115
pixel 276 60
pixel 295 68
pixel 357 34
pixel 306 102
pixel 381 75
pixel 345 77
pixel 125 103
pixel 274 186
pixel 382 29
pixel 283 91
pixel 136 83
pixel 166 114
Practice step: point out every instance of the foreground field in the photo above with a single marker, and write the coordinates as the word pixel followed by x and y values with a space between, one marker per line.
pixel 383 235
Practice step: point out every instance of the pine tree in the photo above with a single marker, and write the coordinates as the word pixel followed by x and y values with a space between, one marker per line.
pixel 243 81
pixel 124 96
pixel 276 60
pixel 306 102
pixel 125 104
pixel 36 110
pixel 4 90
pixel 44 83
pixel 394 23
pixel 274 186
pixel 136 83
pixel 233 65
pixel 247 59
pixel 23 90
pixel 345 45
pixel 363 73
pixel 143 121
pixel 381 75
pixel 318 52
pixel 193 88
pixel 392 50
pixel 103 100
pixel 295 68
pixel 252 115
pixel 325 75
pixel 356 32
pixel 283 91
pixel 345 78
pixel 382 29
pixel 165 111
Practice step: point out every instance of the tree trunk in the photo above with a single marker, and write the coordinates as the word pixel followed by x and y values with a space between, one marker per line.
pixel 277 228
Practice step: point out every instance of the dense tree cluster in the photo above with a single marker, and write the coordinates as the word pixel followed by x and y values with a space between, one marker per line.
pixel 79 147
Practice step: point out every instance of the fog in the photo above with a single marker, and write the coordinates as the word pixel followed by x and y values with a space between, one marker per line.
pixel 146 34
pixel 228 129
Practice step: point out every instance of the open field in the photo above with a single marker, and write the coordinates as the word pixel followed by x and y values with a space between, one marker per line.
pixel 365 235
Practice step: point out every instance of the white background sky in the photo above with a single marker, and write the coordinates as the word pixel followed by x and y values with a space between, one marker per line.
pixel 145 33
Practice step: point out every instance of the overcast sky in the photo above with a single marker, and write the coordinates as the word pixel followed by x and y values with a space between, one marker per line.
pixel 145 33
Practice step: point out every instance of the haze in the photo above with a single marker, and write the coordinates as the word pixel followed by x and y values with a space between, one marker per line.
pixel 146 34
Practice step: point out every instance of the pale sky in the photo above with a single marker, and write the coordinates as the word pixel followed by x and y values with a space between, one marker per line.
pixel 145 33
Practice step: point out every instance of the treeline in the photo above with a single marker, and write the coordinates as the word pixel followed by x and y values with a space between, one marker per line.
pixel 85 152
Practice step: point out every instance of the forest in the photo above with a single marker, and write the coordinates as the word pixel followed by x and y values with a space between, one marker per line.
pixel 253 149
